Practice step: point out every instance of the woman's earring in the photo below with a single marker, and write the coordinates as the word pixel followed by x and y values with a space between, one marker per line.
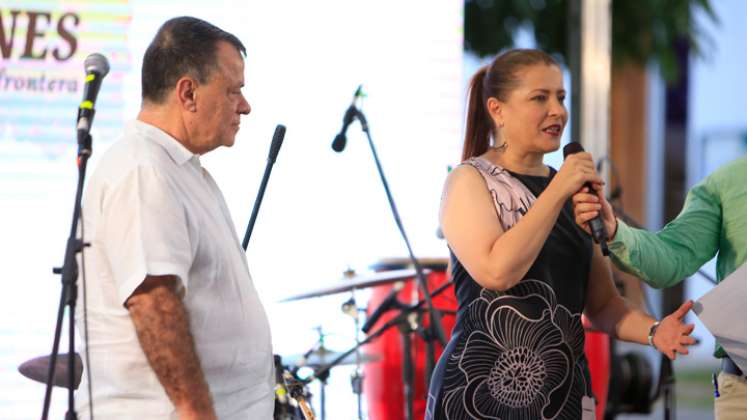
pixel 503 146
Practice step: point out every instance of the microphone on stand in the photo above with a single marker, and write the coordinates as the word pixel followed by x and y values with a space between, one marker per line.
pixel 598 231
pixel 277 141
pixel 338 144
pixel 97 67
pixel 389 302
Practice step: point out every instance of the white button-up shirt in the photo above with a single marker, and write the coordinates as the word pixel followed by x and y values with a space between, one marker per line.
pixel 151 209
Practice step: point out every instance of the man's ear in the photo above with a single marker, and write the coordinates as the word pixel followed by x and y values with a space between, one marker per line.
pixel 495 109
pixel 186 88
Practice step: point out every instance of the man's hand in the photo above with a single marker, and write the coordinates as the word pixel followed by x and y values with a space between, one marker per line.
pixel 162 328
pixel 587 205
pixel 673 335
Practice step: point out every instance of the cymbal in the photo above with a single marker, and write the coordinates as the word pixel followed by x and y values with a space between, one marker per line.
pixel 437 264
pixel 37 369
pixel 323 356
pixel 358 282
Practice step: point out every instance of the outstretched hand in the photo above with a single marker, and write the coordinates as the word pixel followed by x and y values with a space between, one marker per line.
pixel 673 335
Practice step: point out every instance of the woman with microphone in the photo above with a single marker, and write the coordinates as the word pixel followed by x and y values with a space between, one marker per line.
pixel 524 272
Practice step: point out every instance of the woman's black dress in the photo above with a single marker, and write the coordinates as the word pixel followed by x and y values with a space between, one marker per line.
pixel 519 354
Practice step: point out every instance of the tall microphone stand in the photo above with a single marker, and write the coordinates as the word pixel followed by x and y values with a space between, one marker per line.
pixel 69 293
pixel 435 315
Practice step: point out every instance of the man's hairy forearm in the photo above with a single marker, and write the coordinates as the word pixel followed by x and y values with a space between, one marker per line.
pixel 162 326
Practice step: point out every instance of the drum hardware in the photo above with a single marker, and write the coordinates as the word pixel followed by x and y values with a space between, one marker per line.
pixel 348 283
pixel 322 372
pixel 410 319
pixel 322 356
pixel 408 371
pixel 338 145
pixel 350 308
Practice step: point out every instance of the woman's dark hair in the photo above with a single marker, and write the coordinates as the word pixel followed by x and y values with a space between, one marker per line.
pixel 182 46
pixel 495 80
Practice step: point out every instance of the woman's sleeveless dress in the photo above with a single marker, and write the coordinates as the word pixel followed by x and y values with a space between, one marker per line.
pixel 519 354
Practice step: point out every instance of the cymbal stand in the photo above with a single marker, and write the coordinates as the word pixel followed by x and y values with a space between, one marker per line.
pixel 407 326
pixel 322 379
pixel 356 378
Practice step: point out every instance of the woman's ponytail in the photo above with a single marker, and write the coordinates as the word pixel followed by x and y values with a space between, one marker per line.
pixel 477 133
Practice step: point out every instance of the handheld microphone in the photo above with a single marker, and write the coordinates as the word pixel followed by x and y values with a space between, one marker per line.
pixel 97 67
pixel 389 302
pixel 338 144
pixel 598 231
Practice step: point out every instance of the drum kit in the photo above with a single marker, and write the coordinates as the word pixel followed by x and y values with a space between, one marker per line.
pixel 395 368
pixel 292 393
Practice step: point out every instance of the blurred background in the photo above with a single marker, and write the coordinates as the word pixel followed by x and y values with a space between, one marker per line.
pixel 666 108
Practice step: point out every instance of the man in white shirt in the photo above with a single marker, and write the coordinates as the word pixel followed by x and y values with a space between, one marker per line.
pixel 176 328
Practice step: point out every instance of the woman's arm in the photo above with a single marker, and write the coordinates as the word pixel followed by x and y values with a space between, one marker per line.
pixel 611 313
pixel 497 260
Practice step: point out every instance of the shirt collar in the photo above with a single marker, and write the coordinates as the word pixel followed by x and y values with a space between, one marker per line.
pixel 178 153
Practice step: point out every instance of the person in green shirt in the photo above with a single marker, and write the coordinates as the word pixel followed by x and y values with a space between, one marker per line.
pixel 713 221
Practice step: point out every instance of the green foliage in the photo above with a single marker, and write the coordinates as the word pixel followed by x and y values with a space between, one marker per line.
pixel 642 30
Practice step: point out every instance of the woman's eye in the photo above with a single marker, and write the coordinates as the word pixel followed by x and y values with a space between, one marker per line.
pixel 540 98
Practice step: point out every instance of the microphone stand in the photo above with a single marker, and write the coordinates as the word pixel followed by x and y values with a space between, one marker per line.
pixel 277 141
pixel 69 293
pixel 435 314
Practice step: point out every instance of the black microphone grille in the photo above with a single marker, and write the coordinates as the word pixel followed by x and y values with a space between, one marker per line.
pixel 338 144
pixel 277 141
pixel 97 63
pixel 571 148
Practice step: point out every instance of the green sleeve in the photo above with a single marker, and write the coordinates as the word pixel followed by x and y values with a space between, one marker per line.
pixel 665 258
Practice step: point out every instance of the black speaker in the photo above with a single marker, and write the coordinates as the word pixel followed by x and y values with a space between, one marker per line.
pixel 631 385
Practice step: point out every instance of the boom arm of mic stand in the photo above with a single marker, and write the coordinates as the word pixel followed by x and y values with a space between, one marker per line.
pixel 435 314
pixel 402 317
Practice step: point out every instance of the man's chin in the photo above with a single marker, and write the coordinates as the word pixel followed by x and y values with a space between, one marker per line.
pixel 229 142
